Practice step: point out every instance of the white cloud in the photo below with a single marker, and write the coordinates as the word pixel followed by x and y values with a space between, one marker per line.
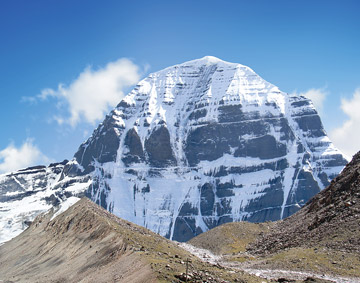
pixel 347 136
pixel 93 93
pixel 13 158
pixel 317 96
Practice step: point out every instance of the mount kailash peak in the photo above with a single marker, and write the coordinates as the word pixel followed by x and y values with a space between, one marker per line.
pixel 190 147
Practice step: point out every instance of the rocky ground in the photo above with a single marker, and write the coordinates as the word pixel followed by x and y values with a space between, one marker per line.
pixel 231 238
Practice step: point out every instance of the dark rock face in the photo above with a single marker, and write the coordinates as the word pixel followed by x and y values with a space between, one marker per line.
pixel 207 200
pixel 231 113
pixel 212 141
pixel 259 208
pixel 311 125
pixel 103 148
pixel 306 189
pixel 136 152
pixel 265 147
pixel 159 149
pixel 185 224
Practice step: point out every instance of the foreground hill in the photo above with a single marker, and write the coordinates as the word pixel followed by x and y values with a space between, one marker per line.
pixel 323 237
pixel 88 244
pixel 191 147
pixel 231 238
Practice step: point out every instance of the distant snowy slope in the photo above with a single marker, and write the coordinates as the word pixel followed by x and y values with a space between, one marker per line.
pixel 26 193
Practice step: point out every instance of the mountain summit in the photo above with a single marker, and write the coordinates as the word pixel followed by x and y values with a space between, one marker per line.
pixel 199 144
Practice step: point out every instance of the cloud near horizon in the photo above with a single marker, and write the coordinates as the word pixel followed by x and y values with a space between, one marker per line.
pixel 93 93
pixel 28 154
pixel 347 136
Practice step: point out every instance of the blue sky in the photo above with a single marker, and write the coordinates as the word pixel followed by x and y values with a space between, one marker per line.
pixel 308 47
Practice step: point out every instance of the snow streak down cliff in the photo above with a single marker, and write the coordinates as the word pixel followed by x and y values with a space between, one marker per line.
pixel 203 143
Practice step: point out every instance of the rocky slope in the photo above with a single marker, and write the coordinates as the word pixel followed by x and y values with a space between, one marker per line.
pixel 88 244
pixel 200 144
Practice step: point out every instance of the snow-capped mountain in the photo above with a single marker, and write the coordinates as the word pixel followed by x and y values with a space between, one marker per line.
pixel 200 144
